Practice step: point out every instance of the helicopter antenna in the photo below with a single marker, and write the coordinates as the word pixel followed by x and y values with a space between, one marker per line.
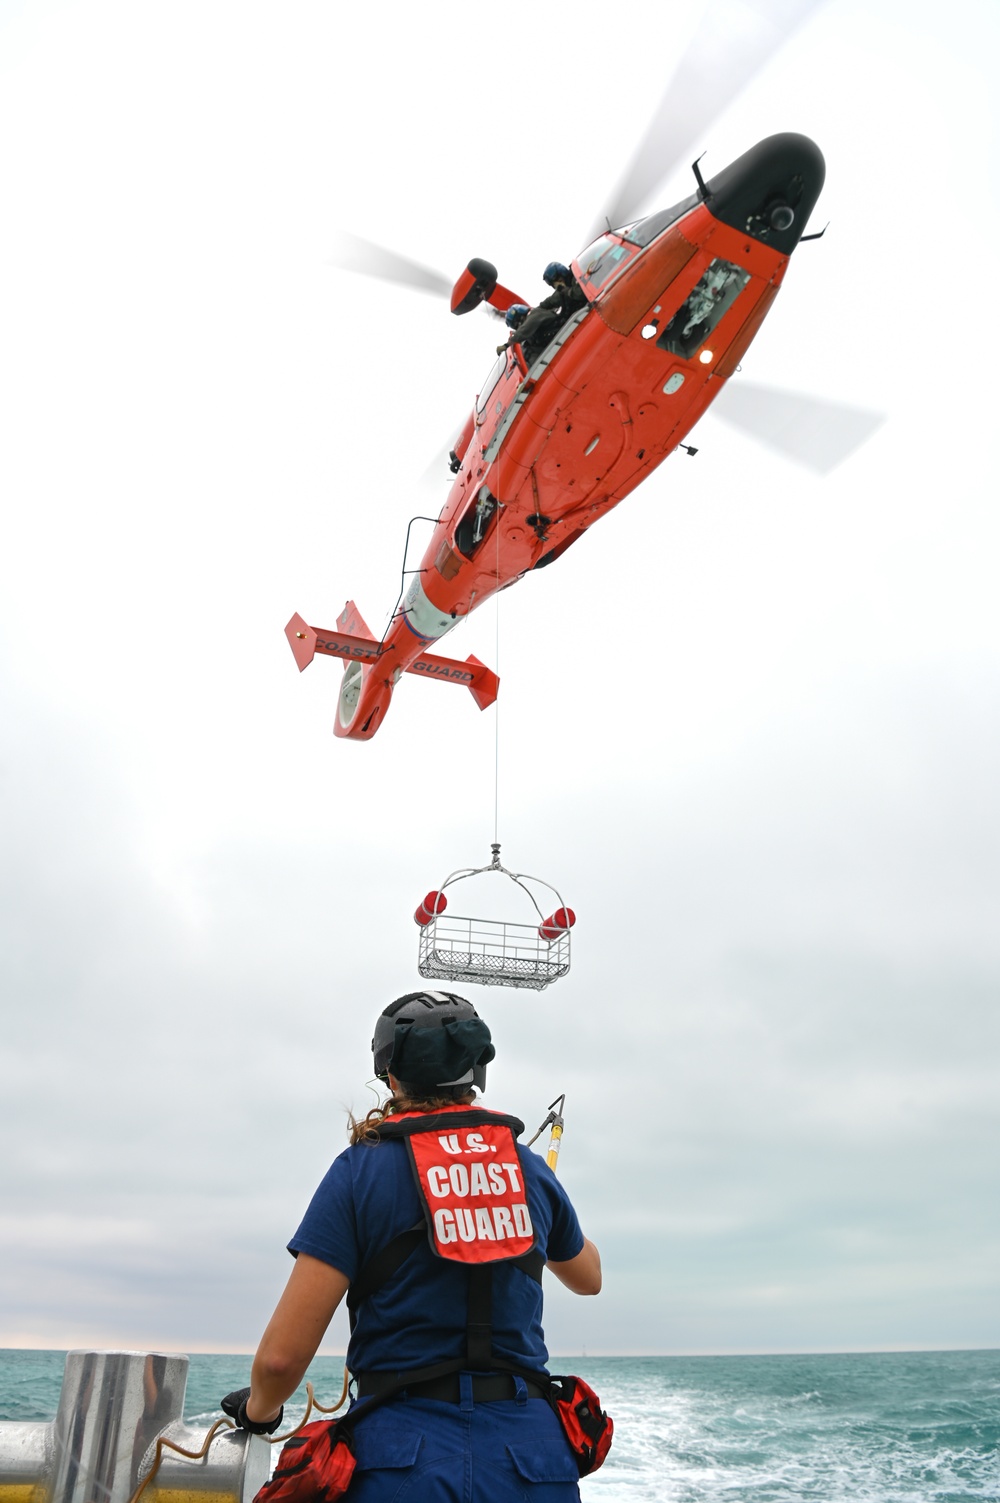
pixel 703 192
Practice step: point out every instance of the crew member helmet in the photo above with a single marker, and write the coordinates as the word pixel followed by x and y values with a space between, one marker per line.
pixel 432 1041
pixel 515 316
pixel 556 272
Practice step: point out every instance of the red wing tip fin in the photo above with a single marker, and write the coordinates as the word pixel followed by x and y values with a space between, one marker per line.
pixel 486 685
pixel 302 641
pixel 351 621
pixel 473 675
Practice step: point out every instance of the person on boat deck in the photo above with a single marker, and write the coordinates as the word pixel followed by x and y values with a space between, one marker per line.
pixel 482 1432
pixel 536 327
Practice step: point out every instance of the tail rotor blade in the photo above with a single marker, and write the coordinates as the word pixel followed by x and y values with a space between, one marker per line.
pixel 810 430
pixel 353 253
pixel 733 42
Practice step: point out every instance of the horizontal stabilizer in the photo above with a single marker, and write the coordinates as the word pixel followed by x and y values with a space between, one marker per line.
pixel 305 641
pixel 352 631
pixel 481 681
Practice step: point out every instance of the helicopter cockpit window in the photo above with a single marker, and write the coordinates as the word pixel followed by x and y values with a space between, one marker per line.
pixel 645 231
pixel 489 385
pixel 600 261
pixel 695 319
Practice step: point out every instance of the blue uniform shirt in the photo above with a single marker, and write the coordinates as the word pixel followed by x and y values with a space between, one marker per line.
pixel 367 1198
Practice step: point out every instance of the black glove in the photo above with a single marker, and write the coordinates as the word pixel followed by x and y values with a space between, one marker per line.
pixel 235 1405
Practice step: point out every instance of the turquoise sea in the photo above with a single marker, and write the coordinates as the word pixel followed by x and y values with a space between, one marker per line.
pixel 867 1428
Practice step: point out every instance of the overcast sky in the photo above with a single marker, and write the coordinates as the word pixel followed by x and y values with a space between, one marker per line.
pixel 749 728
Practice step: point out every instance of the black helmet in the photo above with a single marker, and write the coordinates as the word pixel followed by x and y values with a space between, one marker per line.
pixel 430 1040
pixel 556 272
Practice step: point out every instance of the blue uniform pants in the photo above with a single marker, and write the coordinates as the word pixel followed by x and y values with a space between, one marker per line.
pixel 426 1451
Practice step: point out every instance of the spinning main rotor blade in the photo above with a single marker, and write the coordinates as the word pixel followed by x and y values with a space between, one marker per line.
pixel 439 470
pixel 352 253
pixel 733 42
pixel 814 432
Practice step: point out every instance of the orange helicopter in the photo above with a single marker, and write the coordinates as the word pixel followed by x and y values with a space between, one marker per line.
pixel 557 438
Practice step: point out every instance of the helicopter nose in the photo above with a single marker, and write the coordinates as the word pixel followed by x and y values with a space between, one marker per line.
pixel 770 191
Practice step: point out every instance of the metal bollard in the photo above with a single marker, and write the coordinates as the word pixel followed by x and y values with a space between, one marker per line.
pixel 113 1408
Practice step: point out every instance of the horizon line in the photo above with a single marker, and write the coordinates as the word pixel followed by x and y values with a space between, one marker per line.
pixel 587 1355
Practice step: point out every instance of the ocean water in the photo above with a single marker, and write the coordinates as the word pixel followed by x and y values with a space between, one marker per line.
pixel 870 1428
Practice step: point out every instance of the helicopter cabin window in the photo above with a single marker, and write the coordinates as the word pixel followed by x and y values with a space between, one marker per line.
pixel 490 385
pixel 472 529
pixel 599 262
pixel 695 319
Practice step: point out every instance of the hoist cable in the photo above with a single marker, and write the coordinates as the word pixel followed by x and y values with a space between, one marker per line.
pixel 496 722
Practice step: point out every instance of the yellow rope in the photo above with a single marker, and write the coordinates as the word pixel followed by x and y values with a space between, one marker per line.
pixel 162 1444
pixel 311 1404
pixel 342 1400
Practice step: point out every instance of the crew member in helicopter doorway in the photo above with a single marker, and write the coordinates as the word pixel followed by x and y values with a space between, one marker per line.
pixel 436 1225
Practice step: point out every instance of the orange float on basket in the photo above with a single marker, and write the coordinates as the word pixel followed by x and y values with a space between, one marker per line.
pixel 433 904
pixel 557 923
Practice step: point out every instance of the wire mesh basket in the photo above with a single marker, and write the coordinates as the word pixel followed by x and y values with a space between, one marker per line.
pixel 493 952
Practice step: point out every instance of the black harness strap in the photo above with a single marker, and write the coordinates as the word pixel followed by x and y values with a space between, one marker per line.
pixel 380 1269
pixel 405 1127
pixel 479 1320
pixel 531 1263
pixel 390 1258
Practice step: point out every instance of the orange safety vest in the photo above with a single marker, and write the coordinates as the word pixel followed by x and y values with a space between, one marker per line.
pixel 470 1182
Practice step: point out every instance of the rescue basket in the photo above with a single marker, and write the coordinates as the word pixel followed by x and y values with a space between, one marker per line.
pixel 528 953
